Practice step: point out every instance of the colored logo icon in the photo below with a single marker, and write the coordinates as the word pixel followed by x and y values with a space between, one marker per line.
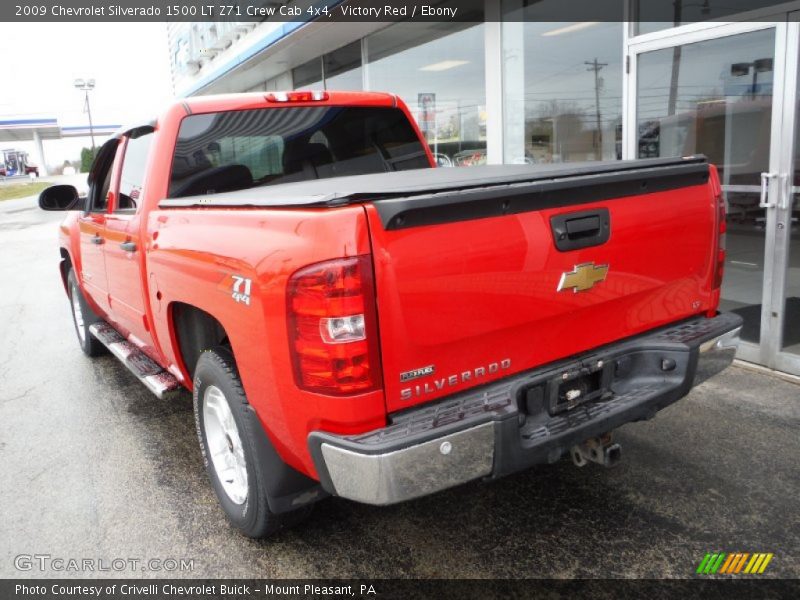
pixel 734 563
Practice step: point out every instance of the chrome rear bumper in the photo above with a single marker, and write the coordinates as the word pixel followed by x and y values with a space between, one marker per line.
pixel 414 471
pixel 716 355
pixel 497 429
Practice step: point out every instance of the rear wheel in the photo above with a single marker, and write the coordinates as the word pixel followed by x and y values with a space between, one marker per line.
pixel 83 316
pixel 228 447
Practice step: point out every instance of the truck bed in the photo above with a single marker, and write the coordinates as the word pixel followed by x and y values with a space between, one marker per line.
pixel 417 191
pixel 483 272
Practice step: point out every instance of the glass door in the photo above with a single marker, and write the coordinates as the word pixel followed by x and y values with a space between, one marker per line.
pixel 784 353
pixel 715 91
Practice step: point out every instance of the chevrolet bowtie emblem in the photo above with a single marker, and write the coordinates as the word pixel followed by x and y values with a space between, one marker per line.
pixel 582 277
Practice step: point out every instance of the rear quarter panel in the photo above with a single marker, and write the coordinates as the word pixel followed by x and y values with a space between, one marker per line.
pixel 192 254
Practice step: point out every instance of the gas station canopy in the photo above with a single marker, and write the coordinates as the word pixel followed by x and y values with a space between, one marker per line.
pixel 26 130
pixel 37 130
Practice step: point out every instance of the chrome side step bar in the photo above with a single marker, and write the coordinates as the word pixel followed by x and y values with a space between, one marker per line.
pixel 162 383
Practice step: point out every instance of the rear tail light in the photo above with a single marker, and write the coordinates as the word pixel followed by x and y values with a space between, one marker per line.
pixel 333 333
pixel 304 96
pixel 722 227
pixel 719 269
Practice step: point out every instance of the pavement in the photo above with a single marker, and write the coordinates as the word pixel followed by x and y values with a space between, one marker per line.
pixel 94 467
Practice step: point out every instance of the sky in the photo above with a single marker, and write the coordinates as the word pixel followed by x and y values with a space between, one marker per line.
pixel 129 62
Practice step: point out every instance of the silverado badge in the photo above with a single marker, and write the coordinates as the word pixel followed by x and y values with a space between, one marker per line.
pixel 582 277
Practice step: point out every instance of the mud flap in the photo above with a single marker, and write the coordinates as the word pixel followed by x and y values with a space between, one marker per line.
pixel 287 489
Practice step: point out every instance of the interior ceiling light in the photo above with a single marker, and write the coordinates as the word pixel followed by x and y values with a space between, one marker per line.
pixel 570 28
pixel 444 65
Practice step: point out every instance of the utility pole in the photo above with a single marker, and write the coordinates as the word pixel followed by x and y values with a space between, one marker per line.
pixel 672 102
pixel 91 127
pixel 86 86
pixel 596 66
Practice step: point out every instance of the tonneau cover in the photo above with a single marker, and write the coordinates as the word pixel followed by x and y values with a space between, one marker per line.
pixel 399 184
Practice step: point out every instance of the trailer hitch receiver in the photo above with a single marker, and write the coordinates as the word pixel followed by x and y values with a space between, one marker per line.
pixel 600 450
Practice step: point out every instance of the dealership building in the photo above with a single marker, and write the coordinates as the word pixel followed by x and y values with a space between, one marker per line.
pixel 507 87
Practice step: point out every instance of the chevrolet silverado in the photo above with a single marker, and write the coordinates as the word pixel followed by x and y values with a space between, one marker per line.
pixel 354 322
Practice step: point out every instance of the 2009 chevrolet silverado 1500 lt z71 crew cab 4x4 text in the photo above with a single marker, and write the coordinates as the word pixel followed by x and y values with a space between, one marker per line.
pixel 353 322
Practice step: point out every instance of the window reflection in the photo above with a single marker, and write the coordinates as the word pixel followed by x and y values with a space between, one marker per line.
pixel 439 74
pixel 308 75
pixel 713 98
pixel 342 68
pixel 563 89
pixel 656 16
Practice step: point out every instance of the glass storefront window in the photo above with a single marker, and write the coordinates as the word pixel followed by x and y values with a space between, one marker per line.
pixel 790 341
pixel 713 98
pixel 439 73
pixel 337 70
pixel 657 16
pixel 342 68
pixel 563 89
pixel 308 75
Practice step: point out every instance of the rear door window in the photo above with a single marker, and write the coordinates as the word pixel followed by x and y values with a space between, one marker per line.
pixel 100 177
pixel 131 180
pixel 226 151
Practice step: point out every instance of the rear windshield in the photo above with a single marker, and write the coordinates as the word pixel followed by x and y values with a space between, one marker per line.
pixel 235 150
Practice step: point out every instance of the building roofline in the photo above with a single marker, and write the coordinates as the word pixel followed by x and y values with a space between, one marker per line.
pixel 222 69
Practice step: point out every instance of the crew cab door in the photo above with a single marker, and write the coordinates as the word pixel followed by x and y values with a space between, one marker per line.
pixel 92 224
pixel 124 251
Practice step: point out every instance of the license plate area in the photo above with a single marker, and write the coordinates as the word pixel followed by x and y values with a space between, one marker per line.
pixel 570 389
pixel 577 390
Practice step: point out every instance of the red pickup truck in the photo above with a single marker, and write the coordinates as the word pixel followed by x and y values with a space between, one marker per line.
pixel 353 322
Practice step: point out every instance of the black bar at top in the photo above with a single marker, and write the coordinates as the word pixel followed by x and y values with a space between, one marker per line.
pixel 370 11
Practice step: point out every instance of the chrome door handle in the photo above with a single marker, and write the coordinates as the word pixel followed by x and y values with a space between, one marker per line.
pixel 128 246
pixel 787 192
pixel 97 240
pixel 765 185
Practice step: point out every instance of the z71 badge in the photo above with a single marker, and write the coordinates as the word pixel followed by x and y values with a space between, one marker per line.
pixel 241 289
pixel 237 287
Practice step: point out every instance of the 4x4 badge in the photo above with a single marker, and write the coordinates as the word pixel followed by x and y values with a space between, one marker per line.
pixel 237 287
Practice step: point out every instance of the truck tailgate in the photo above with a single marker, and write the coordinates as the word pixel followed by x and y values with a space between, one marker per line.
pixel 476 284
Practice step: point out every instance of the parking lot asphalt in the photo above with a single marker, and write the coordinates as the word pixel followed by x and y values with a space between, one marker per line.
pixel 93 466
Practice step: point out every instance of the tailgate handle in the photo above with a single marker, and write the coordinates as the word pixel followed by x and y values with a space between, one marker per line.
pixel 573 231
pixel 583 227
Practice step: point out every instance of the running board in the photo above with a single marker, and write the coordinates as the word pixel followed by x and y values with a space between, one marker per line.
pixel 162 383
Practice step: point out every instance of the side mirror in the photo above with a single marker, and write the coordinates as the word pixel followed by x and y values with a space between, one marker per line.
pixel 58 197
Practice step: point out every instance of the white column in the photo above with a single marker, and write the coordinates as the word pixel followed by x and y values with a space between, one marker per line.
pixel 630 134
pixel 37 140
pixel 493 59
pixel 505 83
pixel 514 90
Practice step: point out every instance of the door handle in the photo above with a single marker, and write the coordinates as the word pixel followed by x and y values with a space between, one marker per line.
pixel 97 240
pixel 766 178
pixel 128 246
pixel 787 193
